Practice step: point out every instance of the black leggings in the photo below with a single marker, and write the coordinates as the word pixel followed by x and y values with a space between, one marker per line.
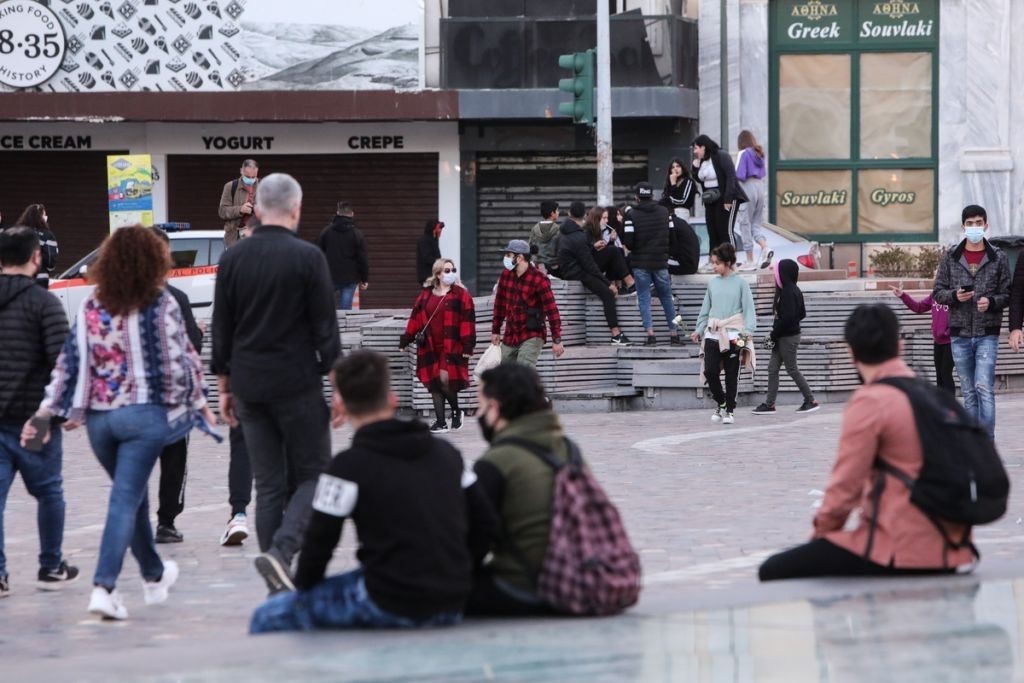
pixel 713 362
pixel 720 223
pixel 440 395
pixel 823 558
pixel 612 262
pixel 173 473
pixel 600 288
pixel 943 354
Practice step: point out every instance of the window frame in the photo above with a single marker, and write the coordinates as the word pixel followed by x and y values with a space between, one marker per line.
pixel 854 164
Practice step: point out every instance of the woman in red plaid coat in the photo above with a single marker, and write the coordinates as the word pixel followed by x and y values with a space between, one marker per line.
pixel 444 319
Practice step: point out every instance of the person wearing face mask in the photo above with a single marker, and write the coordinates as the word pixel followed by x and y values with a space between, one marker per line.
pixel 974 281
pixel 34 216
pixel 443 325
pixel 237 201
pixel 523 301
pixel 519 485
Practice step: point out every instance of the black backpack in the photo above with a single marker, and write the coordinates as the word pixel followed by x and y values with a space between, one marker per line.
pixel 962 479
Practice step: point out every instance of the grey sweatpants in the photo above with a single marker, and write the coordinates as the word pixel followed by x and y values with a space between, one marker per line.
pixel 785 353
pixel 751 213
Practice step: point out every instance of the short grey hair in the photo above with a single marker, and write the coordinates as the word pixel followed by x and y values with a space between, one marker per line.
pixel 250 163
pixel 279 194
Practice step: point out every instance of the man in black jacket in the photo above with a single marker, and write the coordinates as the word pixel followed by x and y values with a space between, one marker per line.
pixel 345 248
pixel 428 250
pixel 174 457
pixel 422 520
pixel 646 233
pixel 33 328
pixel 275 334
pixel 576 262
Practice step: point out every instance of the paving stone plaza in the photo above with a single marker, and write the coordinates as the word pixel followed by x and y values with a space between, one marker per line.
pixel 703 503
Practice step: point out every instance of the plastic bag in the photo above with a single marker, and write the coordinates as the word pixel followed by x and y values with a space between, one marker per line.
pixel 490 359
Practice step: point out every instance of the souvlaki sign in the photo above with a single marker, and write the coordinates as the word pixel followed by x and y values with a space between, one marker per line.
pixel 868 21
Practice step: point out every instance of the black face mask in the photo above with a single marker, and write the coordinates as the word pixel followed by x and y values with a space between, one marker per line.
pixel 486 430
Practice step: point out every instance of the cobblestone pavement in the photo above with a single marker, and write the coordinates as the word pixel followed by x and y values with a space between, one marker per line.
pixel 704 504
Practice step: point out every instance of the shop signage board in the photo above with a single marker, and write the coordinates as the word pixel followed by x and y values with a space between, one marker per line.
pixel 820 22
pixel 129 190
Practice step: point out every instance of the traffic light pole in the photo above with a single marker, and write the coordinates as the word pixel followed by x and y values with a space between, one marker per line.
pixel 604 107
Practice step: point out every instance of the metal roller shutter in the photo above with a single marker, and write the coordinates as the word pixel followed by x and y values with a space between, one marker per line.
pixel 510 188
pixel 393 196
pixel 73 188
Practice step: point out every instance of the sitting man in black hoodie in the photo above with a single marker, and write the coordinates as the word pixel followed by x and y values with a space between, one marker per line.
pixel 576 262
pixel 345 248
pixel 423 521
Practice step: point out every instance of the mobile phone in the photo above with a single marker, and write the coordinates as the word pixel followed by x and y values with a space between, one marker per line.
pixel 967 288
pixel 42 426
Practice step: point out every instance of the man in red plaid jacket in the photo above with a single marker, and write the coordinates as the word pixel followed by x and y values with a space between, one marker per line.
pixel 523 302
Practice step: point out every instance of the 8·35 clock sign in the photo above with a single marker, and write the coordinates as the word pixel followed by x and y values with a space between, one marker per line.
pixel 32 43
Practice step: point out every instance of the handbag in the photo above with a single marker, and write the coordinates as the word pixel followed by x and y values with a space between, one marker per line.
pixel 490 359
pixel 421 336
pixel 711 195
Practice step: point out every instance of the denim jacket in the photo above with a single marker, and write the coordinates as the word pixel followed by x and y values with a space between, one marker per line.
pixel 992 281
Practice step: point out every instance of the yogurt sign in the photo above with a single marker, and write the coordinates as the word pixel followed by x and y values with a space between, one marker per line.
pixel 32 43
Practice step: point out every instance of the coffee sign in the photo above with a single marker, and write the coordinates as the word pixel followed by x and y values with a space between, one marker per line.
pixel 32 43
pixel 820 22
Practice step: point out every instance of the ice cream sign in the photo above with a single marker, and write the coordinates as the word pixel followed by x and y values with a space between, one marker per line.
pixel 32 43
pixel 817 22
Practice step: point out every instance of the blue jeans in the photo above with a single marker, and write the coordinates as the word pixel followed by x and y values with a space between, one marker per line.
pixel 128 442
pixel 975 360
pixel 41 473
pixel 339 601
pixel 663 284
pixel 345 295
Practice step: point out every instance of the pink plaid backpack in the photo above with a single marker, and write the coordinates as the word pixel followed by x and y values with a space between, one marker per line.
pixel 590 567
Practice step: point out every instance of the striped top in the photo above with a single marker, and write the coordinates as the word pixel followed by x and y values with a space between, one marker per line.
pixel 112 361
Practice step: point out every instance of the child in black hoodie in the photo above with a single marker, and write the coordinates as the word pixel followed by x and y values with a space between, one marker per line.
pixel 784 339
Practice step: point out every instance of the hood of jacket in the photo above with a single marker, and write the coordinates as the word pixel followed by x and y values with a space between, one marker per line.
pixel 569 226
pixel 755 161
pixel 541 427
pixel 13 286
pixel 428 228
pixel 787 273
pixel 405 439
pixel 342 224
pixel 645 207
pixel 545 231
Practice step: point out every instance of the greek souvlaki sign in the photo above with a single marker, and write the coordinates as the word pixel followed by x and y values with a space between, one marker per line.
pixel 879 196
pixel 823 22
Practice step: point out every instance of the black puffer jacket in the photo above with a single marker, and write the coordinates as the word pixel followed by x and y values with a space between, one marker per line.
pixel 345 248
pixel 684 248
pixel 574 256
pixel 33 328
pixel 991 281
pixel 645 233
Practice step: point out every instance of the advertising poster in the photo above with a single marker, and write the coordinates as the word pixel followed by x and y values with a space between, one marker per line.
pixel 209 45
pixel 129 190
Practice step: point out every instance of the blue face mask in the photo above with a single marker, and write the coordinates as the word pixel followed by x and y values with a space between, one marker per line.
pixel 248 181
pixel 508 263
pixel 974 234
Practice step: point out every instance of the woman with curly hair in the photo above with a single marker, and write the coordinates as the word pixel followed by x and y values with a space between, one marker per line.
pixel 129 373
pixel 443 325
pixel 34 216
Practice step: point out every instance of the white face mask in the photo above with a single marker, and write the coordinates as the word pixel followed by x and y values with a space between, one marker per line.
pixel 508 263
pixel 448 278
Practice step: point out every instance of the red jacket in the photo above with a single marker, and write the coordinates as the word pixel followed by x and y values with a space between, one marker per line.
pixel 515 295
pixel 459 319
pixel 879 420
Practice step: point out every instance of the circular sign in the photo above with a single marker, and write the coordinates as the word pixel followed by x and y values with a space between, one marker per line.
pixel 32 43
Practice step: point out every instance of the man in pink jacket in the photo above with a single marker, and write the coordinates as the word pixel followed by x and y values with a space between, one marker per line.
pixel 878 422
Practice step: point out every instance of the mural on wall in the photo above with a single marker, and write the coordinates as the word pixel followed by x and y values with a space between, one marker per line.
pixel 208 45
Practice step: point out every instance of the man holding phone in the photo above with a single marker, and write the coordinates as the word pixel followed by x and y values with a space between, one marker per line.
pixel 237 201
pixel 974 281
pixel 32 331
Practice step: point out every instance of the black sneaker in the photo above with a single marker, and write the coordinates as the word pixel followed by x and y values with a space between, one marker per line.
pixel 767 260
pixel 166 533
pixel 621 340
pixel 5 586
pixel 274 573
pixel 456 420
pixel 651 340
pixel 439 427
pixel 808 407
pixel 55 579
pixel 630 290
pixel 675 340
pixel 764 409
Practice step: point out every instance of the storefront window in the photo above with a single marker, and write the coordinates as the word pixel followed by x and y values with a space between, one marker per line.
pixel 814 202
pixel 895 201
pixel 814 106
pixel 895 105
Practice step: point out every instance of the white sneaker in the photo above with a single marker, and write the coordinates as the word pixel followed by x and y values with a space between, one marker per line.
pixel 728 419
pixel 155 592
pixel 236 531
pixel 717 415
pixel 107 605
